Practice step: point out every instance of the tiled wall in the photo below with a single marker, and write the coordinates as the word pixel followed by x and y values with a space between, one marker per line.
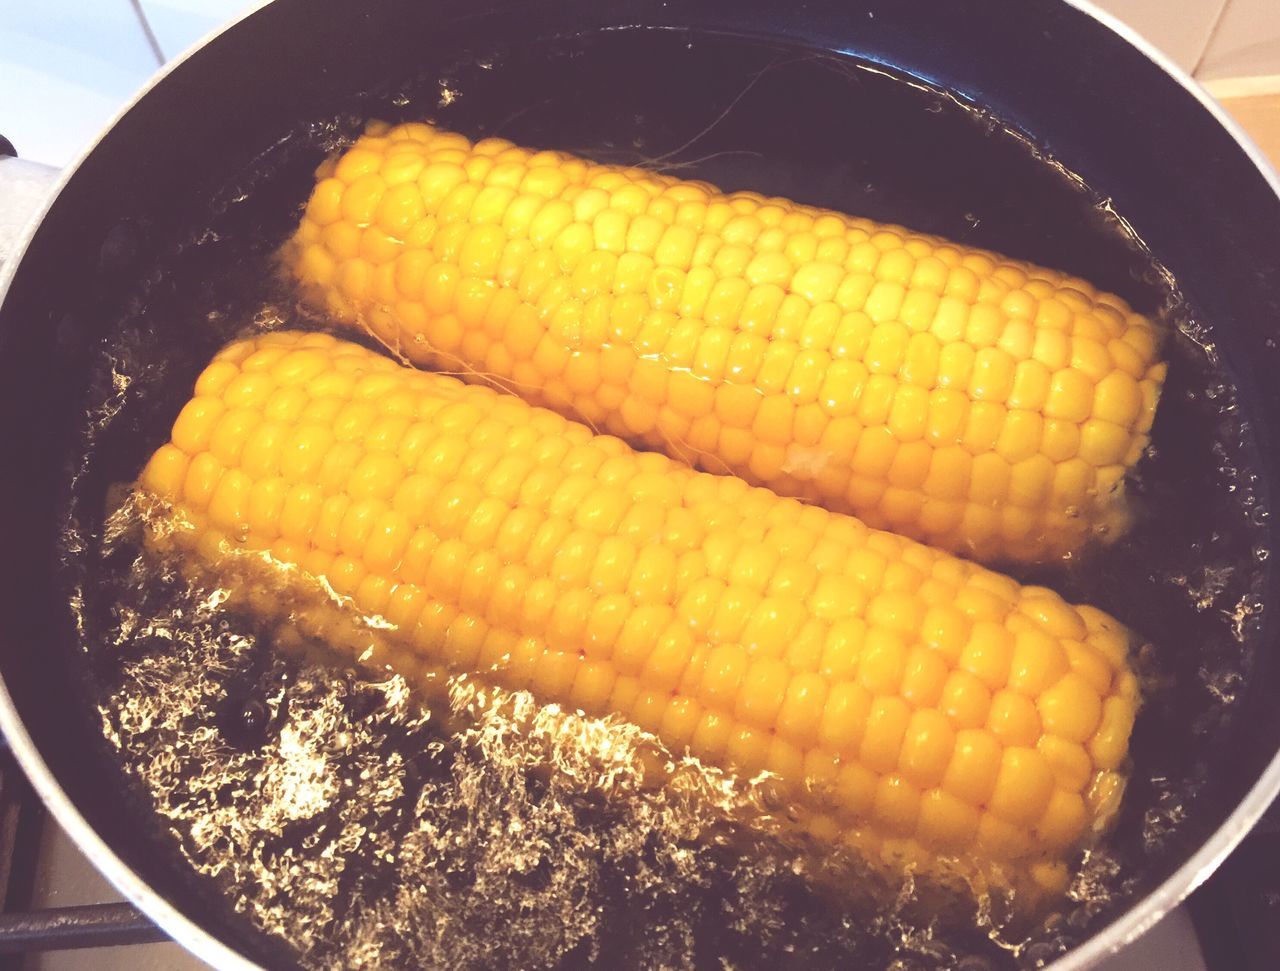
pixel 67 65
pixel 1246 42
pixel 1181 28
pixel 1213 39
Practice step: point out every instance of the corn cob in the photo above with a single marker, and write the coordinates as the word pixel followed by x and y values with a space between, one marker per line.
pixel 911 704
pixel 977 403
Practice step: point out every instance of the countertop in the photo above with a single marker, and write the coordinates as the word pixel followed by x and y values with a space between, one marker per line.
pixel 1259 115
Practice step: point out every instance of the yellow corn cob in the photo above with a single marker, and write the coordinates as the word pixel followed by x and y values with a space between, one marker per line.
pixel 974 402
pixel 911 704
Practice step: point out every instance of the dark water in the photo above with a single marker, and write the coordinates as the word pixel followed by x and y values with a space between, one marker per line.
pixel 347 828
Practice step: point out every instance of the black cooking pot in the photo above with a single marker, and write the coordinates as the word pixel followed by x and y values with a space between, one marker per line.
pixel 221 146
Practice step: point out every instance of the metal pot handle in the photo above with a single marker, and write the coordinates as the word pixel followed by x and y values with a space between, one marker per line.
pixel 24 187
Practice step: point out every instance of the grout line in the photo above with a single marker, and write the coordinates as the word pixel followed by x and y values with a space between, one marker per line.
pixel 1208 41
pixel 152 41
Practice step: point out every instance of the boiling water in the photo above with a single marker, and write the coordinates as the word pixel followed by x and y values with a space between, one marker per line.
pixel 342 823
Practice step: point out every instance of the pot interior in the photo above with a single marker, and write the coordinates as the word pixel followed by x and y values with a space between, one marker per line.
pixel 168 736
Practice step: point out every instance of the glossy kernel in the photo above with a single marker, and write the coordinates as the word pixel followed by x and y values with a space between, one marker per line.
pixel 728 330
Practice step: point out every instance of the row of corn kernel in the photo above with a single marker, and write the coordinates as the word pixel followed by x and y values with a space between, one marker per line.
pixel 746 744
pixel 593 356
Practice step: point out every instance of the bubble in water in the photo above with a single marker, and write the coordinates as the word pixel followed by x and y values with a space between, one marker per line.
pixel 1040 954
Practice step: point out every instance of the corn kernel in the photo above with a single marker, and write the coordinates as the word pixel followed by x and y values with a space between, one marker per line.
pixel 927 747
pixel 855 789
pixel 1012 718
pixel 1023 787
pixel 975 764
pixel 1110 742
pixel 883 733
pixel 1002 839
pixel 989 406
pixel 763 691
pixel 988 654
pixel 723 675
pixel 1103 443
pixel 1092 664
pixel 1071 708
pixel 896 805
pixel 1063 821
pixel 945 821
pixel 945 630
pixel 844 717
pixel 747 750
pixel 966 700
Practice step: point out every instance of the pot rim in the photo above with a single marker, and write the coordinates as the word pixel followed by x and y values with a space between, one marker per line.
pixel 1148 911
pixel 1125 929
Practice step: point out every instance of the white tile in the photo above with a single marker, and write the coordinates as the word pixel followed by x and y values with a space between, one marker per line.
pixel 178 24
pixel 74 63
pixel 100 45
pixel 1180 28
pixel 1247 42
pixel 54 127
